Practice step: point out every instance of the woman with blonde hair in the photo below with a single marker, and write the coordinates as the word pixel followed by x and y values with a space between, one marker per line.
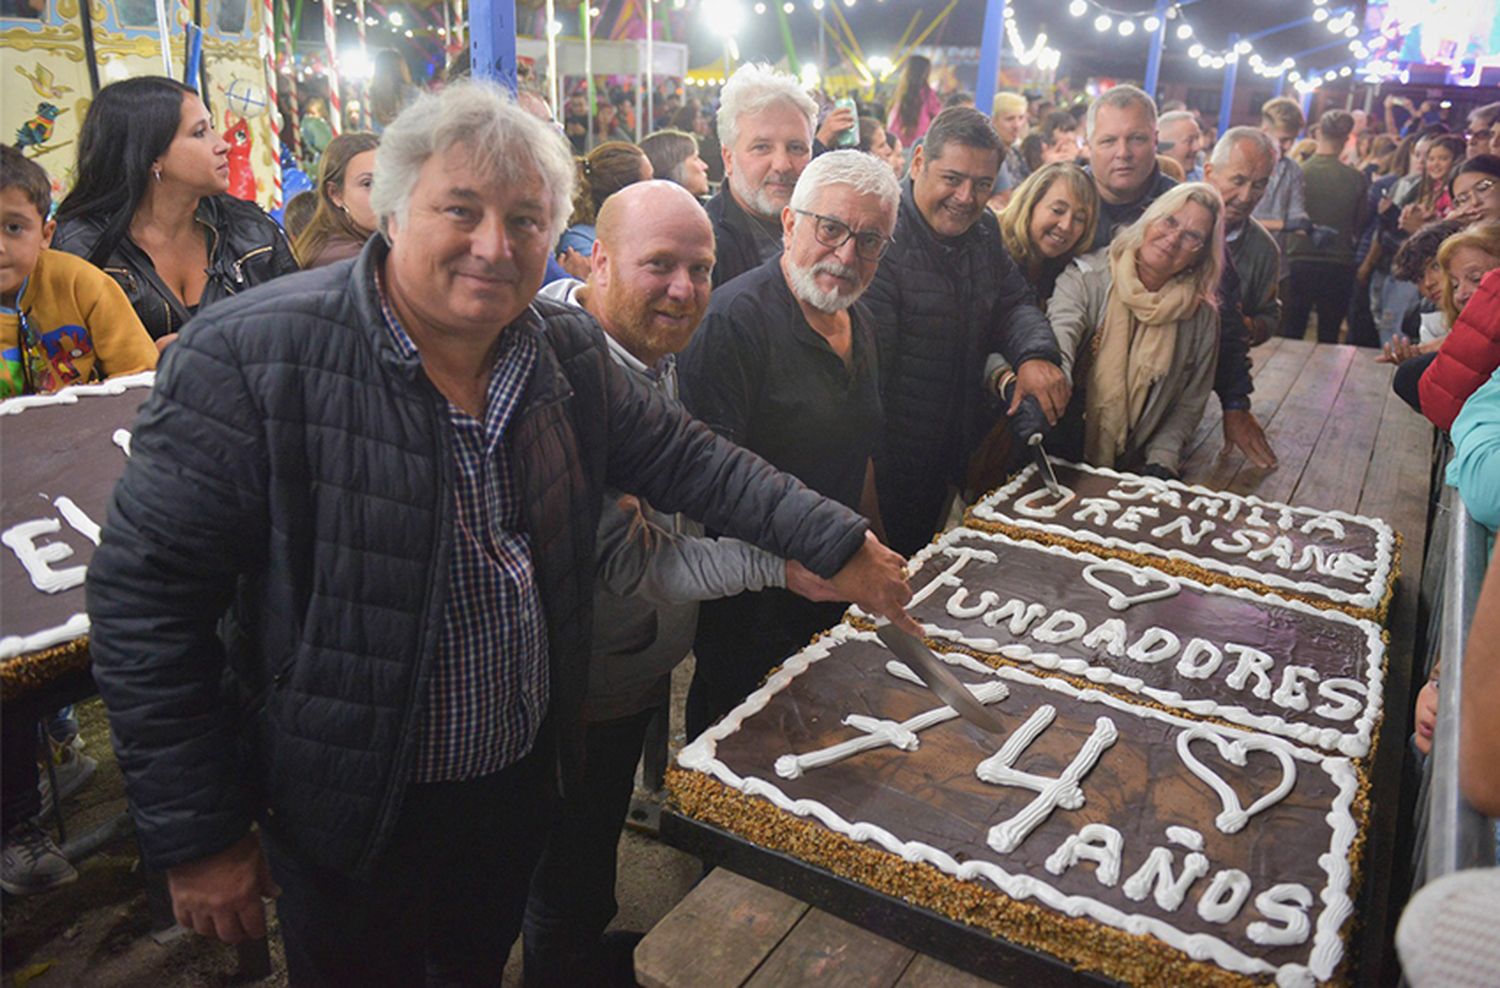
pixel 343 219
pixel 1138 327
pixel 1050 219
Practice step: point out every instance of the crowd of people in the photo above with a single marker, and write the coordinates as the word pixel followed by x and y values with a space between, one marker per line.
pixel 410 542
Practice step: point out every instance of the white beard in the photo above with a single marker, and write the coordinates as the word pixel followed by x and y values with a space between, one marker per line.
pixel 805 287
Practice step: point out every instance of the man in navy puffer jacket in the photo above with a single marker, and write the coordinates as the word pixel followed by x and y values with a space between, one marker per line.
pixel 388 474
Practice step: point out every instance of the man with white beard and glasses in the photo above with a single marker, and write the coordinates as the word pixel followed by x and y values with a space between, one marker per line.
pixel 766 130
pixel 785 365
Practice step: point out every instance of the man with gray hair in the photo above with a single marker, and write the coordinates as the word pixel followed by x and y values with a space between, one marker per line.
pixel 345 588
pixel 785 365
pixel 1240 169
pixel 1121 135
pixel 1179 137
pixel 766 134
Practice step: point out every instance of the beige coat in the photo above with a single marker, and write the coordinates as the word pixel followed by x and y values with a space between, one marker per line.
pixel 1175 405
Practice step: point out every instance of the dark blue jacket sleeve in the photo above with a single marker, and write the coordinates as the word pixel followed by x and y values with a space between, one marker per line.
pixel 1232 379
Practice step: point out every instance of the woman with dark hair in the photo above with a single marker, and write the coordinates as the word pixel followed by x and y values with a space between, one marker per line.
pixel 674 157
pixel 1476 190
pixel 875 139
pixel 915 102
pixel 601 173
pixel 344 219
pixel 149 205
pixel 1429 198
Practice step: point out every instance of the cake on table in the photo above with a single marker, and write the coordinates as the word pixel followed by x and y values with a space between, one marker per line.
pixel 1180 794
pixel 1326 558
pixel 63 453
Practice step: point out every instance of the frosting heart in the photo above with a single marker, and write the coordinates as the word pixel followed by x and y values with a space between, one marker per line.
pixel 1119 600
pixel 1234 816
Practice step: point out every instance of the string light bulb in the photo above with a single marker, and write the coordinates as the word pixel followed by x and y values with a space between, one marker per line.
pixel 1077 8
pixel 1184 31
pixel 1103 22
pixel 1127 27
pixel 1151 23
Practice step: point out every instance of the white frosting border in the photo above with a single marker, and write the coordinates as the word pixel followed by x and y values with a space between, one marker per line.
pixel 1327 947
pixel 78 625
pixel 1371 598
pixel 1354 743
pixel 72 395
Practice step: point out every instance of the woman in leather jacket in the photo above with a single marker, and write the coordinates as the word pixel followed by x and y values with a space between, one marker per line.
pixel 150 206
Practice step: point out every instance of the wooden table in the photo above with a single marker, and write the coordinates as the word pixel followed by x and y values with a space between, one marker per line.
pixel 1345 441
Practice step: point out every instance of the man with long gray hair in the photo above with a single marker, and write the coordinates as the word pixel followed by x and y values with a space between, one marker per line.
pixel 766 133
pixel 385 477
pixel 785 365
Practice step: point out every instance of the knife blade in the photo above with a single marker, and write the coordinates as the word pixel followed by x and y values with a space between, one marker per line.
pixel 915 653
pixel 1044 465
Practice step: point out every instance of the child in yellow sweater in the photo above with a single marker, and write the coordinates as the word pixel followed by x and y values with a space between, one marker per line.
pixel 62 320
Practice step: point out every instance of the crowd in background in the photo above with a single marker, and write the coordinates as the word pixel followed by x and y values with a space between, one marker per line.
pixel 967 279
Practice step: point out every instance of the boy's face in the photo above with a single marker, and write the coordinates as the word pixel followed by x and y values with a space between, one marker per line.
pixel 23 237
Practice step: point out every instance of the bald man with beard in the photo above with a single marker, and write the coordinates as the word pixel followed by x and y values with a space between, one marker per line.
pixel 648 288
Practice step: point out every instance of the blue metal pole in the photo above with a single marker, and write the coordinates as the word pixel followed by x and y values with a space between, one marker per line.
pixel 1231 73
pixel 492 39
pixel 1158 39
pixel 989 55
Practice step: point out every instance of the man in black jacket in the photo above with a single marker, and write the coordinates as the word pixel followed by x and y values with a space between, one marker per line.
pixel 946 295
pixel 389 473
pixel 766 126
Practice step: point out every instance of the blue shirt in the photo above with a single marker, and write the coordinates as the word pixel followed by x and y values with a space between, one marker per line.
pixel 488 691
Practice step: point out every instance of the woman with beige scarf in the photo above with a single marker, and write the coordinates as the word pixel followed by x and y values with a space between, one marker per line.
pixel 1138 327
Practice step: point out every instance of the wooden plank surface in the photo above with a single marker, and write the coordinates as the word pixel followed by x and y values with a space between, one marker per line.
pixel 1300 419
pixel 1334 475
pixel 929 972
pixel 1205 462
pixel 826 951
pixel 717 935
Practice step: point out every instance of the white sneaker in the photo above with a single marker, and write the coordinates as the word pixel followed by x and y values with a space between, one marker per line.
pixel 74 770
pixel 31 863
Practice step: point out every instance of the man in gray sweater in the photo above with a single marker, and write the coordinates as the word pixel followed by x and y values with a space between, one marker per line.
pixel 648 288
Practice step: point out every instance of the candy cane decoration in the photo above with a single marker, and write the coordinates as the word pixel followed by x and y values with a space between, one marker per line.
pixel 287 66
pixel 268 43
pixel 331 43
pixel 364 58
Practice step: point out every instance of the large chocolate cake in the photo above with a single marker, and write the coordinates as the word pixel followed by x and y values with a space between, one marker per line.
pixel 1121 838
pixel 62 455
pixel 1326 558
pixel 1178 798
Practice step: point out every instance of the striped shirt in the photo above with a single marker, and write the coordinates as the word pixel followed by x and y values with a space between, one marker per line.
pixel 489 689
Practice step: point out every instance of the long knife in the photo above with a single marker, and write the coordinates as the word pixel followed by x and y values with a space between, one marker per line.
pixel 915 653
pixel 1044 465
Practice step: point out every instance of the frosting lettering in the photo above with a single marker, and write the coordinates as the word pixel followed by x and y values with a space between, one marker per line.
pixel 1185 530
pixel 1200 659
pixel 1252 662
pixel 1155 878
pixel 1096 842
pixel 1031 505
pixel 1064 790
pixel 1225 896
pixel 1292 693
pixel 1154 646
pixel 1019 615
pixel 1096 508
pixel 37 558
pixel 1287 904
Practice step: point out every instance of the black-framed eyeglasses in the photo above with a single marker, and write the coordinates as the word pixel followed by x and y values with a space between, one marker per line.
pixel 832 233
pixel 1474 194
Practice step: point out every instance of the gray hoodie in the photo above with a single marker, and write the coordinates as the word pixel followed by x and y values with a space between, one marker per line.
pixel 653 570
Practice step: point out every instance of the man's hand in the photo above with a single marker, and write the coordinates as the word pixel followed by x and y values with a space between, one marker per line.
pixel 1046 380
pixel 219 896
pixel 839 119
pixel 805 583
pixel 875 579
pixel 573 262
pixel 1242 430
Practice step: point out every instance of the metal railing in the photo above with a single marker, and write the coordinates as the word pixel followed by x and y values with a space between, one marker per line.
pixel 1458 836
